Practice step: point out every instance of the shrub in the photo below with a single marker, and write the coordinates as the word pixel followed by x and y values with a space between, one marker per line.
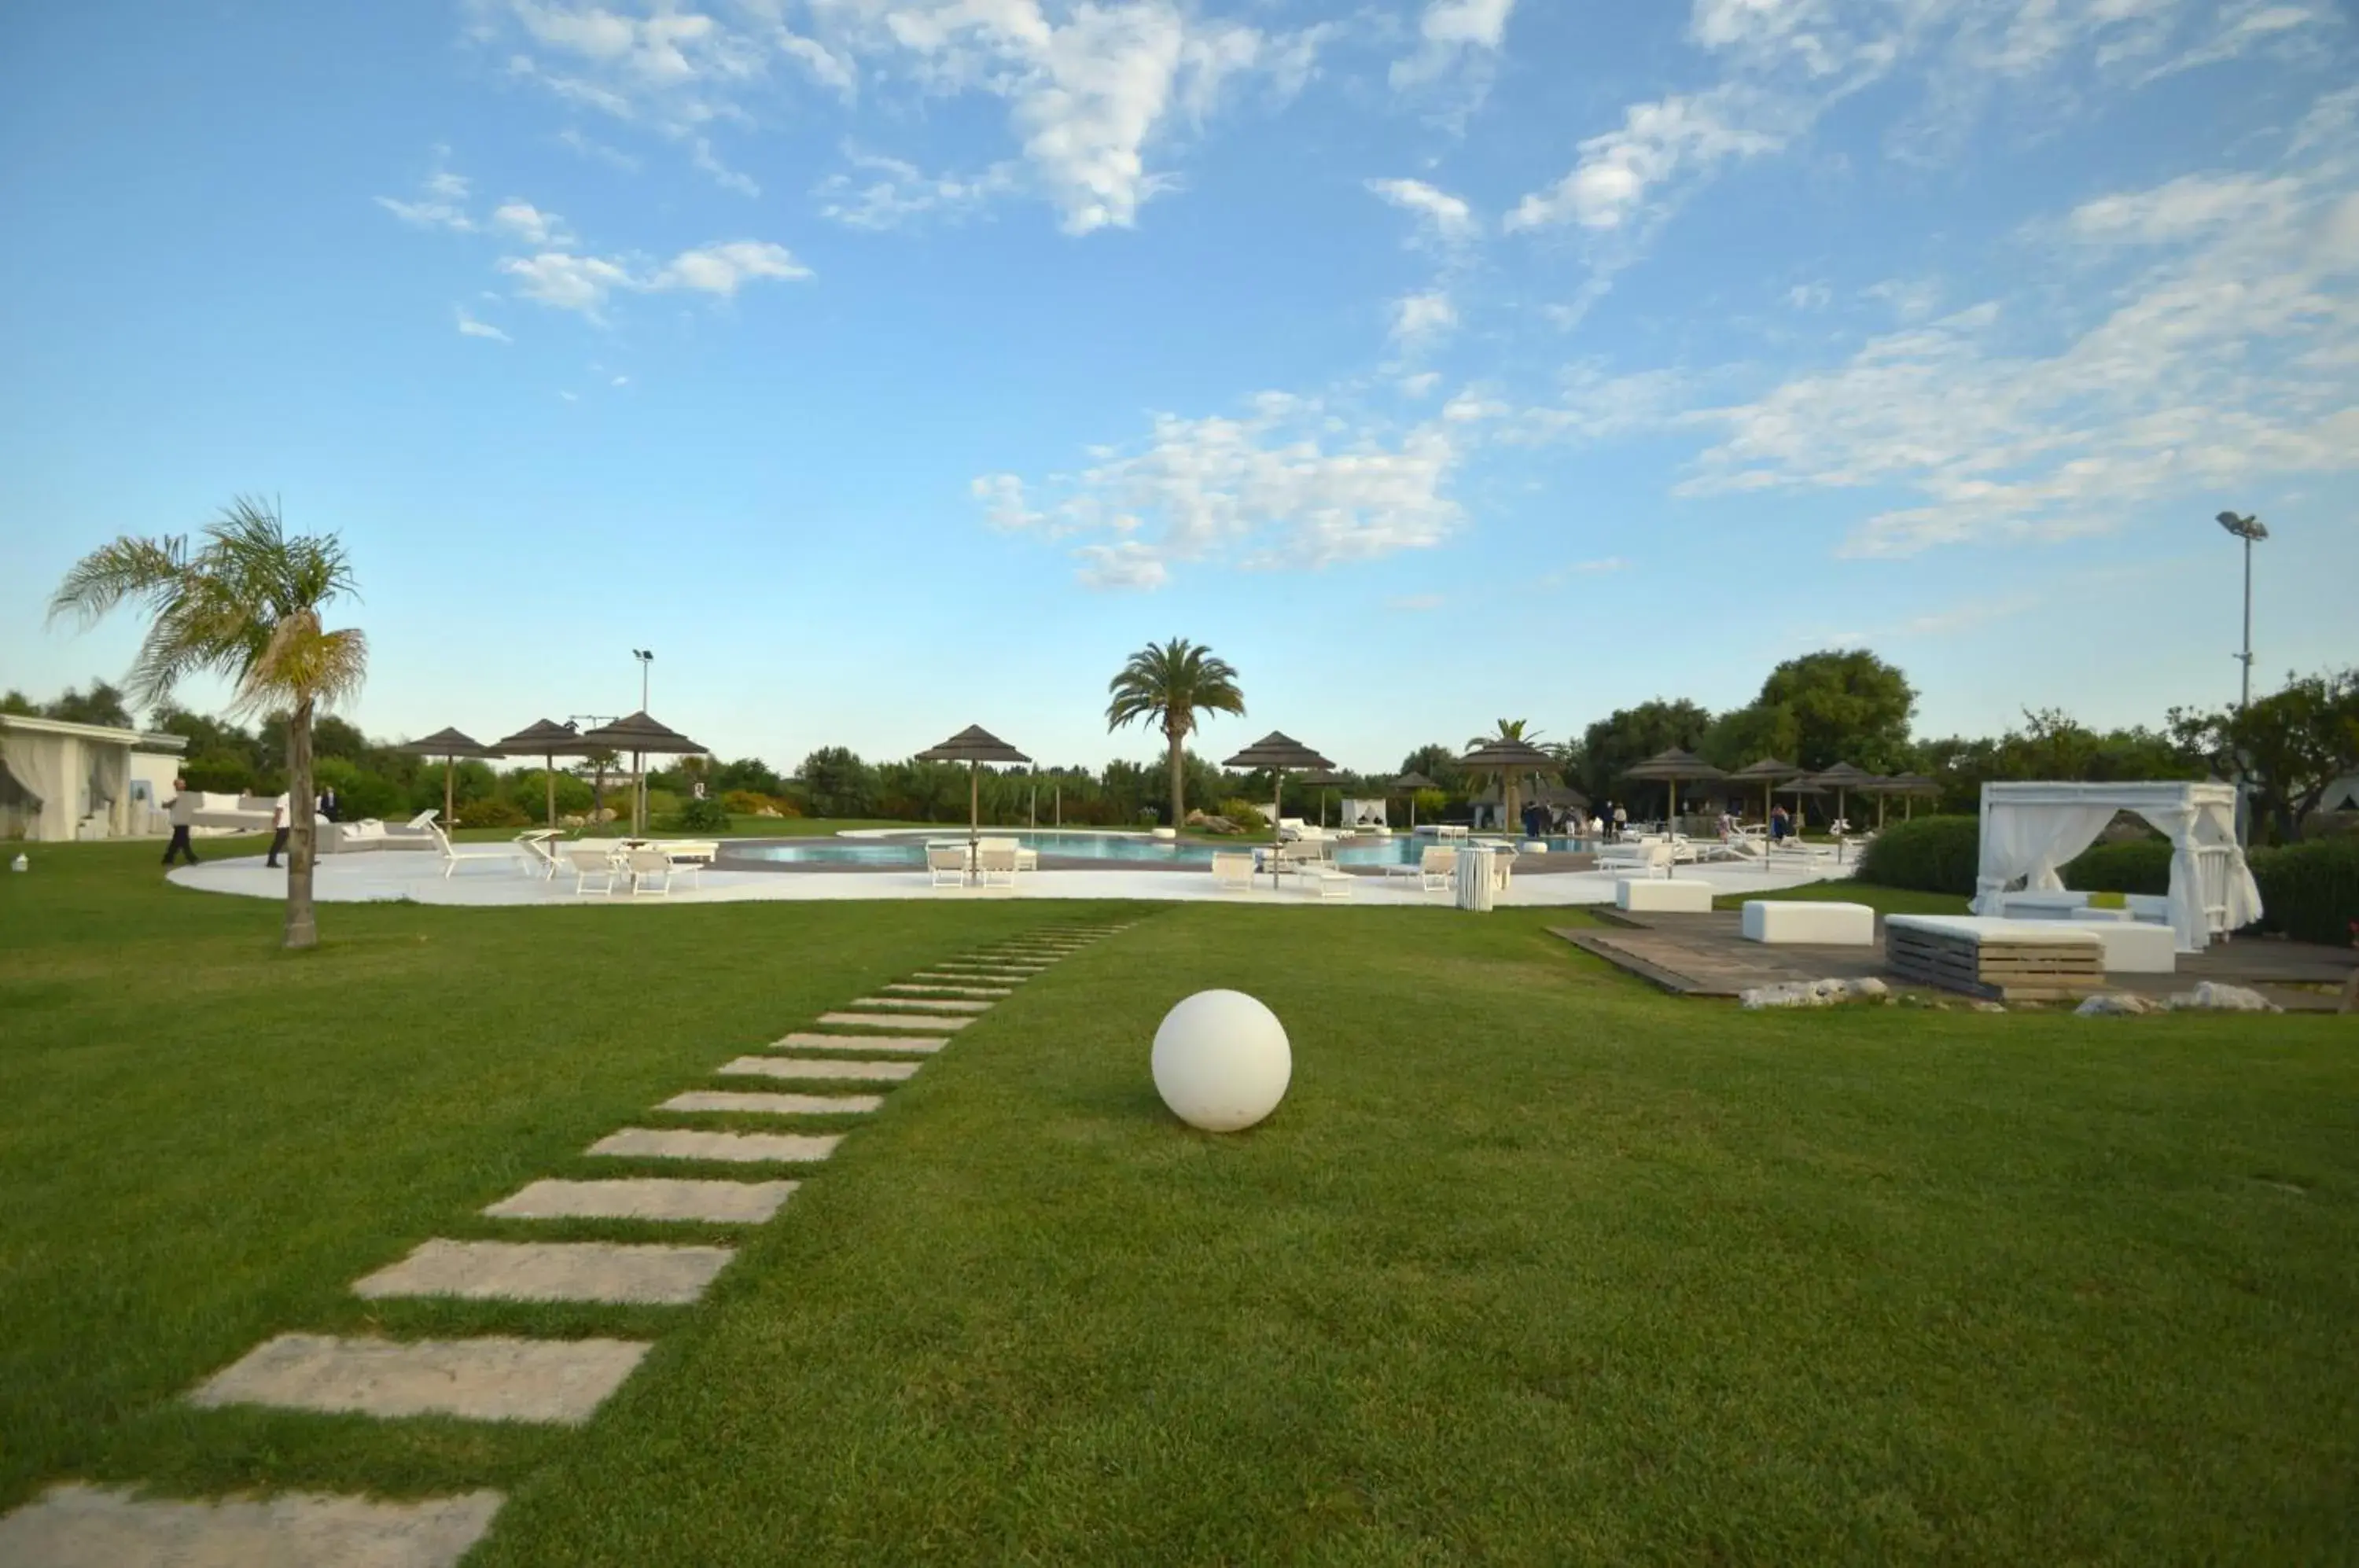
pixel 1927 854
pixel 491 814
pixel 702 816
pixel 2136 866
pixel 661 803
pixel 2310 890
pixel 747 803
pixel 1247 815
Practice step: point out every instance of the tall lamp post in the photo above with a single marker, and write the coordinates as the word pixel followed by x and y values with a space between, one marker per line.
pixel 2252 530
pixel 644 659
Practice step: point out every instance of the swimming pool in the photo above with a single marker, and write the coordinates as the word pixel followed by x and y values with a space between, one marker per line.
pixel 909 850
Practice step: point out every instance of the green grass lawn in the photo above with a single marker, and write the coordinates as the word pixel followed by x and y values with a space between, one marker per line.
pixel 1534 1265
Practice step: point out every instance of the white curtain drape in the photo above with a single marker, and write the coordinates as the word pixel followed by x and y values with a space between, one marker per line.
pixel 2191 829
pixel 41 764
pixel 2028 843
pixel 110 786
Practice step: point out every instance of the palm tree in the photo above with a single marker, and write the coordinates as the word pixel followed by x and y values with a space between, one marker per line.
pixel 1510 785
pixel 245 603
pixel 1171 684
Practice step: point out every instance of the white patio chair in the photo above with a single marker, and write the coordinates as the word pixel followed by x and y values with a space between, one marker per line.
pixel 539 854
pixel 590 862
pixel 946 864
pixel 1436 869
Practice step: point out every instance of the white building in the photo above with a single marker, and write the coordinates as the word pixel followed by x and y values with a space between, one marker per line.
pixel 62 781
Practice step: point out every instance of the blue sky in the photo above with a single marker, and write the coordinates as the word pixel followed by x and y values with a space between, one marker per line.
pixel 887 365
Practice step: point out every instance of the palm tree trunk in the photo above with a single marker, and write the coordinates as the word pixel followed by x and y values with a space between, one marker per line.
pixel 1179 779
pixel 302 925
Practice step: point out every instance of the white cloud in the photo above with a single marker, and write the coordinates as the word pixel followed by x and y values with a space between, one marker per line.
pixel 722 269
pixel 728 179
pixel 2229 349
pixel 1809 297
pixel 1452 35
pixel 899 195
pixel 1421 385
pixel 1444 216
pixel 1617 170
pixel 1288 485
pixel 470 327
pixel 1092 88
pixel 441 203
pixel 523 221
pixel 1128 565
pixel 1420 319
pixel 1417 603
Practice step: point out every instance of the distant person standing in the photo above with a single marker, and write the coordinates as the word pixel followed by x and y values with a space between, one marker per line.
pixel 181 808
pixel 278 831
pixel 1621 821
pixel 1779 825
pixel 328 805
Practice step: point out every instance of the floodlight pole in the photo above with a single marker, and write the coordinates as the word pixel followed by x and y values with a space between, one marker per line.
pixel 2252 530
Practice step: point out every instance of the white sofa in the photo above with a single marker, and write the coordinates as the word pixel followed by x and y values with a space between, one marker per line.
pixel 237 814
pixel 1778 921
pixel 2059 904
pixel 2132 947
pixel 1665 897
pixel 368 834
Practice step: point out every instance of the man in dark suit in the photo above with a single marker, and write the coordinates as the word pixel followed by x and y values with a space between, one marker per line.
pixel 180 806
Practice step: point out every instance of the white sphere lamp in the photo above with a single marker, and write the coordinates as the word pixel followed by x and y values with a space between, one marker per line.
pixel 1222 1062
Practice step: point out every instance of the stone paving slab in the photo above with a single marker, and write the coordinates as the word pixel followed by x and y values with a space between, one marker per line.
pixel 924 1004
pixel 77 1526
pixel 953 990
pixel 775 1105
pixel 939 982
pixel 894 1020
pixel 899 1044
pixel 558 1380
pixel 739 1148
pixel 1027 967
pixel 804 1068
pixel 550 1271
pixel 651 1197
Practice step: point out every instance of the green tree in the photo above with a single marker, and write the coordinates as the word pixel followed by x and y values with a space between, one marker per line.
pixel 1847 705
pixel 1628 736
pixel 1437 762
pixel 1169 684
pixel 245 603
pixel 836 783
pixel 2290 744
pixel 1744 735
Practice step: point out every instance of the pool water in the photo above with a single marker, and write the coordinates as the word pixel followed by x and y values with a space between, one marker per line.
pixel 1125 848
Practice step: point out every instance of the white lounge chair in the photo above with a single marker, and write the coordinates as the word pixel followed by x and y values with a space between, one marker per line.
pixel 590 862
pixel 1326 881
pixel 946 864
pixel 1436 869
pixel 1639 858
pixel 1232 870
pixel 452 854
pixel 648 866
pixel 538 850
pixel 995 863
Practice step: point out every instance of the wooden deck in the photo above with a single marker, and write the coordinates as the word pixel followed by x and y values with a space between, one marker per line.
pixel 1707 955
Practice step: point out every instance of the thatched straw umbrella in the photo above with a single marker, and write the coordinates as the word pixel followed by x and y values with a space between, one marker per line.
pixel 642 737
pixel 1279 753
pixel 974 745
pixel 450 745
pixel 548 740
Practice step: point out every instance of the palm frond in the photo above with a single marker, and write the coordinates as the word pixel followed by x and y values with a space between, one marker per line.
pixel 302 663
pixel 127 568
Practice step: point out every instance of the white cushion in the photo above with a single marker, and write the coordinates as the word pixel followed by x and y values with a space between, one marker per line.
pixel 2132 947
pixel 1647 893
pixel 1800 921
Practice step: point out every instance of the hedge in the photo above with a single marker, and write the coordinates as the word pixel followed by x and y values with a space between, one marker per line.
pixel 1927 854
pixel 2311 891
pixel 2133 865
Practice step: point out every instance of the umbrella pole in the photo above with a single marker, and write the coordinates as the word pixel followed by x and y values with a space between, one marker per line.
pixel 974 822
pixel 549 773
pixel 450 820
pixel 1277 834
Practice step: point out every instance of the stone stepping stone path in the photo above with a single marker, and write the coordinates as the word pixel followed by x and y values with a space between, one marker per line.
pixel 92 1527
pixel 900 1044
pixel 923 1004
pixel 550 1271
pixel 653 1197
pixel 804 1069
pixel 775 1105
pixel 894 1020
pixel 500 1378
pixel 739 1148
pixel 493 1379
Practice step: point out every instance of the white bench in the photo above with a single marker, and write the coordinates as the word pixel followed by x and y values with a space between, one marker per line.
pixel 1663 897
pixel 1802 920
pixel 2132 947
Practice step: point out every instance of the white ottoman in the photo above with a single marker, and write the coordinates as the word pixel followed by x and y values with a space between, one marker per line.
pixel 1665 897
pixel 2134 947
pixel 1798 921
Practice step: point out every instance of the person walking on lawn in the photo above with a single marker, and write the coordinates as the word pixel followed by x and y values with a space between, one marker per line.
pixel 181 807
pixel 278 828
